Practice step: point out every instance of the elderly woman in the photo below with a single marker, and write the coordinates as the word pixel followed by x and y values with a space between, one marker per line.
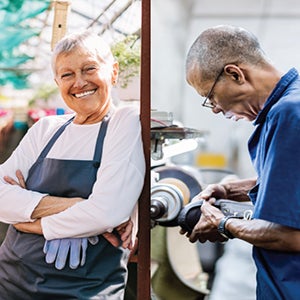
pixel 72 177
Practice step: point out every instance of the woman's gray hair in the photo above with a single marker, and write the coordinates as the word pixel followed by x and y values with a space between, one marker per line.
pixel 86 39
pixel 221 45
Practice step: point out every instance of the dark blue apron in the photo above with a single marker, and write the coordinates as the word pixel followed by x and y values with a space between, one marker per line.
pixel 24 274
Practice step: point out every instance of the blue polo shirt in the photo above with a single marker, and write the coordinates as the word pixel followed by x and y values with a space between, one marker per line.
pixel 274 148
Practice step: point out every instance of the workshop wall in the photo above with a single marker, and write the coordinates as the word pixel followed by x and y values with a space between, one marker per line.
pixel 176 24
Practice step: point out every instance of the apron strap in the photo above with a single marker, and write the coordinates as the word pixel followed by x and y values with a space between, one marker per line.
pixel 54 138
pixel 99 144
pixel 100 140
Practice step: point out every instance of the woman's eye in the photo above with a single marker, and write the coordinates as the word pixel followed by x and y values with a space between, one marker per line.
pixel 90 69
pixel 65 75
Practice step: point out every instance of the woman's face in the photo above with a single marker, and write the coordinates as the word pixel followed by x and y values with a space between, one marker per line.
pixel 85 84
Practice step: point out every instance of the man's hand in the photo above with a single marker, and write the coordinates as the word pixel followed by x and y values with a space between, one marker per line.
pixel 207 227
pixel 217 191
pixel 121 235
pixel 210 193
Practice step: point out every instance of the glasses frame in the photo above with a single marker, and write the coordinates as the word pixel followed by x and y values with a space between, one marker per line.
pixel 207 103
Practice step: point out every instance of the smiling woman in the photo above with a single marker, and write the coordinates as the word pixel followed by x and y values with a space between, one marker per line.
pixel 85 69
pixel 73 184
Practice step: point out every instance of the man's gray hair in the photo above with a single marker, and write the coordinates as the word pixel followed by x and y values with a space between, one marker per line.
pixel 86 39
pixel 221 45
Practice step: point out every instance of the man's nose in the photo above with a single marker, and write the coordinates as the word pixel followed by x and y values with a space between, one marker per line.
pixel 216 109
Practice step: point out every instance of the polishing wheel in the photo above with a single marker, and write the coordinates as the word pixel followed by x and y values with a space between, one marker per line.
pixel 172 192
pixel 185 175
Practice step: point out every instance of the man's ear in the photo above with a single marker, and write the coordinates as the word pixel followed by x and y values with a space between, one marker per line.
pixel 235 73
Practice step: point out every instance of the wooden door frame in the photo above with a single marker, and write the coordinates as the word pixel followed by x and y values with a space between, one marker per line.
pixel 143 264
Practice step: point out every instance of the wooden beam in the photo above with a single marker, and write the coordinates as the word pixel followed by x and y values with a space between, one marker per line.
pixel 143 267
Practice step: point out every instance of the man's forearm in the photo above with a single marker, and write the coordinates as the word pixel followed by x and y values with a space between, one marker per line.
pixel 238 190
pixel 265 234
pixel 50 205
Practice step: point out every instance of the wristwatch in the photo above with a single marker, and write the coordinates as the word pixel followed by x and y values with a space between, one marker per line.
pixel 221 227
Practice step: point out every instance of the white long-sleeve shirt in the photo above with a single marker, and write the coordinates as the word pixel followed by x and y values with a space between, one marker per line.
pixel 119 179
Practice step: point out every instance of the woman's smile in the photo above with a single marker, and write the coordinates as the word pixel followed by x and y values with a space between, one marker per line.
pixel 84 94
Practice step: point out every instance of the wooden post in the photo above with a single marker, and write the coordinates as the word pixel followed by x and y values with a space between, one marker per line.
pixel 59 27
pixel 143 267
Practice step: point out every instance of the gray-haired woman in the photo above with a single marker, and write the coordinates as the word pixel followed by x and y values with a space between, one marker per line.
pixel 79 176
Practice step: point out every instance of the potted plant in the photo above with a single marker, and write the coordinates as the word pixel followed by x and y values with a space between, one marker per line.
pixel 128 53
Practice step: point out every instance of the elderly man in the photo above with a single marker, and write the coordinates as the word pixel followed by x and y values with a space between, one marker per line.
pixel 228 67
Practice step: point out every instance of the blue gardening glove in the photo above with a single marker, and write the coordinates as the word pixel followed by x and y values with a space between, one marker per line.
pixel 57 250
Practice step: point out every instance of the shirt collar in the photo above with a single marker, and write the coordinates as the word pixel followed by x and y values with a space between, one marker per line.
pixel 276 94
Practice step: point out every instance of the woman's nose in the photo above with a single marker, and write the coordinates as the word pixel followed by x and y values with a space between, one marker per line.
pixel 80 81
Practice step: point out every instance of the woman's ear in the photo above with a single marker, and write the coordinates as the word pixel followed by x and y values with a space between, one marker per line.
pixel 235 73
pixel 115 72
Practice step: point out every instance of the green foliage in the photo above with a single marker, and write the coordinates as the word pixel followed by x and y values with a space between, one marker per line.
pixel 128 53
pixel 15 30
pixel 44 92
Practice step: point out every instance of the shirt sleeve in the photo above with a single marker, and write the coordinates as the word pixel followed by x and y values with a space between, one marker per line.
pixel 278 198
pixel 117 188
pixel 17 204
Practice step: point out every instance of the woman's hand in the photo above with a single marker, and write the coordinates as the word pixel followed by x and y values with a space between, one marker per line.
pixel 30 227
pixel 121 235
pixel 27 227
pixel 20 182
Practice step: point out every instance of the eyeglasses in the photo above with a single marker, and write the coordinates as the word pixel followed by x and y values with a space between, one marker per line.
pixel 207 102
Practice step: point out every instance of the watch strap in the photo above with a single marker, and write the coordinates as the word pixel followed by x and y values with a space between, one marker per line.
pixel 222 229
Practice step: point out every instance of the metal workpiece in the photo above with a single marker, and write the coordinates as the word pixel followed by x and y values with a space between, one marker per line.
pixel 160 135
